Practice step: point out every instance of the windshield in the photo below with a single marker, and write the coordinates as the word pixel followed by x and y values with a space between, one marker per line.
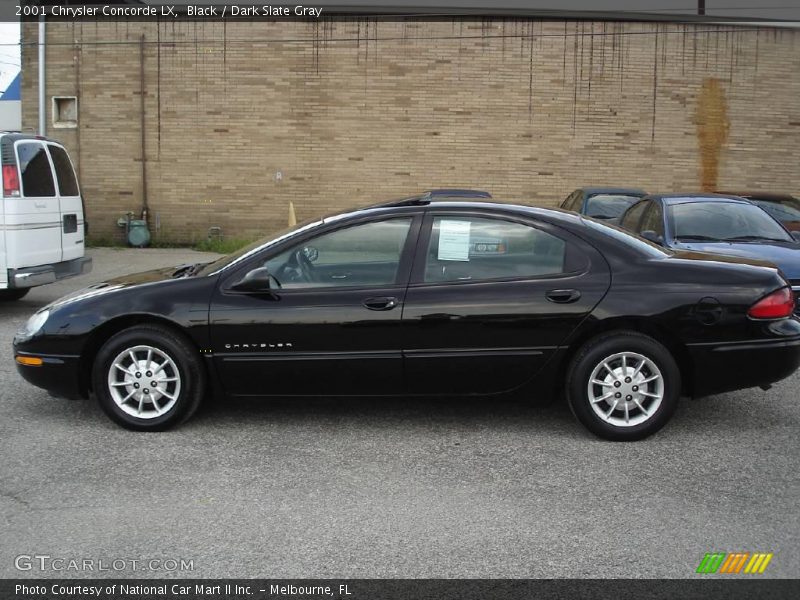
pixel 723 221
pixel 264 242
pixel 641 245
pixel 609 206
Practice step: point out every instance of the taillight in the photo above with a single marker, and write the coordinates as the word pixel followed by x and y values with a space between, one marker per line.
pixel 777 305
pixel 10 180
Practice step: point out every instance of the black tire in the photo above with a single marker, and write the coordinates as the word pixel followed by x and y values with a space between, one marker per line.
pixel 185 363
pixel 13 294
pixel 592 356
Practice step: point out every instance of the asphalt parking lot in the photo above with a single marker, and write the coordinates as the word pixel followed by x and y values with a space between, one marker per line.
pixel 399 488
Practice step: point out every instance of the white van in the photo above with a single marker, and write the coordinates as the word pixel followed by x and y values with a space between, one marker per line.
pixel 42 225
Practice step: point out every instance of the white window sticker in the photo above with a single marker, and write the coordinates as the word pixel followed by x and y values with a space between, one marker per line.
pixel 454 240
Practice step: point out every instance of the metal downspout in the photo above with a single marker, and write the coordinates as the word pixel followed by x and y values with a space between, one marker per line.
pixel 42 103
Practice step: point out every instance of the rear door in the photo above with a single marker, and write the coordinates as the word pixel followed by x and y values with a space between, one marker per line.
pixel 32 212
pixel 70 203
pixel 492 297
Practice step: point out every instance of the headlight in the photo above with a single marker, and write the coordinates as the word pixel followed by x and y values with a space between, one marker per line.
pixel 34 324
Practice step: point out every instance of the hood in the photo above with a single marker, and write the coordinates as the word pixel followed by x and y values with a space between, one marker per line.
pixel 784 255
pixel 120 283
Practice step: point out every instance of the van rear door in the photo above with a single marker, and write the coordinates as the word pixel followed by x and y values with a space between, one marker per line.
pixel 70 204
pixel 32 212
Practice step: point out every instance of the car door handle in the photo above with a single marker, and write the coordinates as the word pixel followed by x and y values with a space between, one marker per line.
pixel 380 303
pixel 563 296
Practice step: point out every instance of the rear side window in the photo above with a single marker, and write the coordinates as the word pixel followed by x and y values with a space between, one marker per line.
pixel 574 201
pixel 654 220
pixel 65 174
pixel 631 219
pixel 472 248
pixel 37 177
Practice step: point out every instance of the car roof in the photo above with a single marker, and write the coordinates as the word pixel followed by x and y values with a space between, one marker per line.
pixel 21 135
pixel 592 190
pixel 552 214
pixel 685 198
pixel 767 196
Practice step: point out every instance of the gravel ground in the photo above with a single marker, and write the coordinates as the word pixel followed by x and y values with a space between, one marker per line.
pixel 398 488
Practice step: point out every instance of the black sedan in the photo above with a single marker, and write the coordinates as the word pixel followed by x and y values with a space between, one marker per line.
pixel 421 297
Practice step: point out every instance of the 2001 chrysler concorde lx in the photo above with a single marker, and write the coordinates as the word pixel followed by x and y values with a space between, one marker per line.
pixel 434 294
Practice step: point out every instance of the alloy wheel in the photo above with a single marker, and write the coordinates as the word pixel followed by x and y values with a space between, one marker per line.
pixel 626 389
pixel 144 382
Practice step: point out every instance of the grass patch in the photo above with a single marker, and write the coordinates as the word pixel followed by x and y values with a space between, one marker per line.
pixel 103 242
pixel 221 246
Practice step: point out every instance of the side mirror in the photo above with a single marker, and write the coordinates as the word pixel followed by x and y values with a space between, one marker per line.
pixel 796 235
pixel 652 236
pixel 254 281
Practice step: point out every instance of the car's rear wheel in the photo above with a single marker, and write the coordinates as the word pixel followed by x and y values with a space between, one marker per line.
pixel 14 294
pixel 148 378
pixel 623 386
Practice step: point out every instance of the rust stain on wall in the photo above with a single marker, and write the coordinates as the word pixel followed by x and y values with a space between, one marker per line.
pixel 713 126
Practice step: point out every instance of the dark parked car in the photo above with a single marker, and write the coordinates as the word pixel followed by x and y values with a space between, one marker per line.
pixel 605 203
pixel 783 207
pixel 718 224
pixel 399 299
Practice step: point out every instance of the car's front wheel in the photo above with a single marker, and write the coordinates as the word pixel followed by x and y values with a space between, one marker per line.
pixel 623 386
pixel 148 378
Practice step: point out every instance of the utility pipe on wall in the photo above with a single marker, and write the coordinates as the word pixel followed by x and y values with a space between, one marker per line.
pixel 143 130
pixel 42 103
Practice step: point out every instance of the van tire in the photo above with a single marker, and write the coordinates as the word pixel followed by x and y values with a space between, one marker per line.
pixel 13 294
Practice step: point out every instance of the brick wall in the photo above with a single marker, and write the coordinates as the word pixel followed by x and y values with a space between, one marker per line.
pixel 355 111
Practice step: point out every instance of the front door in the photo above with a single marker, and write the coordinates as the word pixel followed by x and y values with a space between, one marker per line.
pixel 491 299
pixel 333 325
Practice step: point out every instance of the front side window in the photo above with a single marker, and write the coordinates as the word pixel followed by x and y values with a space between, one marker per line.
pixel 67 184
pixel 724 221
pixel 474 248
pixel 366 255
pixel 37 177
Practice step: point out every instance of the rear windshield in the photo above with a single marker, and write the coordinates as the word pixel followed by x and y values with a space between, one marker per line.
pixel 609 206
pixel 67 184
pixel 37 177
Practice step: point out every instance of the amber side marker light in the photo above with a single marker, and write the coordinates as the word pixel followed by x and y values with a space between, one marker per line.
pixel 29 361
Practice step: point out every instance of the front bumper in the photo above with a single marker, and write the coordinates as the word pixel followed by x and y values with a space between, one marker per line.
pixel 44 274
pixel 738 365
pixel 58 374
